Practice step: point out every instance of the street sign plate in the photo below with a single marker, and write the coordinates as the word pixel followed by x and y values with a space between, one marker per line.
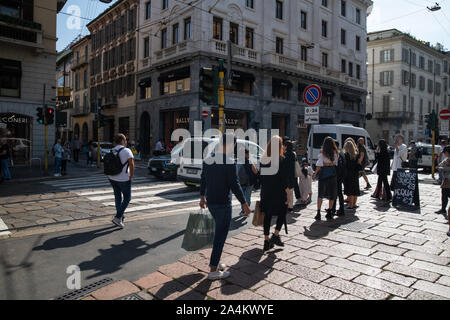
pixel 444 114
pixel 205 114
pixel 311 115
pixel 312 95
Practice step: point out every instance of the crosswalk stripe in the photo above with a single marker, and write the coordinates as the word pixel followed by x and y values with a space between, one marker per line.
pixel 138 194
pixel 86 185
pixel 153 199
pixel 87 181
pixel 3 226
pixel 133 188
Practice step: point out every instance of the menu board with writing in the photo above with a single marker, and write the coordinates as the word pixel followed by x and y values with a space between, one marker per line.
pixel 406 192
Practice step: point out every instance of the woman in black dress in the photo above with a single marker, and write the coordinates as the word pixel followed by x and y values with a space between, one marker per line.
pixel 326 173
pixel 383 170
pixel 275 194
pixel 352 169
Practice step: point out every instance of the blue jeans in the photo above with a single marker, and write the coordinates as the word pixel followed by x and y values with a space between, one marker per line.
pixel 247 194
pixel 58 162
pixel 121 188
pixel 222 217
pixel 6 173
pixel 441 176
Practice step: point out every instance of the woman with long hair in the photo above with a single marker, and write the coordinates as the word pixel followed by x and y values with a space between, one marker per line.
pixel 352 168
pixel 275 191
pixel 383 170
pixel 326 174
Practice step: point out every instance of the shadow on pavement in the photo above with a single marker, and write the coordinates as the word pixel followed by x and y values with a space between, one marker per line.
pixel 73 240
pixel 244 275
pixel 112 259
pixel 320 229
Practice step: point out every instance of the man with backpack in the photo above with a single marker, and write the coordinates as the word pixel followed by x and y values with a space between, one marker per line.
pixel 119 167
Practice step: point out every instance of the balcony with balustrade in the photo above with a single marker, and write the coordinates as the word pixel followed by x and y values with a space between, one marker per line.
pixel 238 52
pixel 79 63
pixel 20 32
pixel 176 50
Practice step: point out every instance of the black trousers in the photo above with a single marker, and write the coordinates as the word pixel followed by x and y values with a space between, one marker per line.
pixel 297 189
pixel 340 196
pixel 268 221
pixel 445 193
pixel 76 153
pixel 383 180
pixel 64 167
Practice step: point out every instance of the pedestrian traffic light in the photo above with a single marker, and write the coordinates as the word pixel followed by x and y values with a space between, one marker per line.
pixel 209 85
pixel 40 115
pixel 50 115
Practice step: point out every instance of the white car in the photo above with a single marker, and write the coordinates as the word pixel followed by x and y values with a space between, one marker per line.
pixel 190 165
pixel 339 132
pixel 105 147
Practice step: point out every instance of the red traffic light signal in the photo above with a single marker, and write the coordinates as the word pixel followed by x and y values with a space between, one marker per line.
pixel 49 115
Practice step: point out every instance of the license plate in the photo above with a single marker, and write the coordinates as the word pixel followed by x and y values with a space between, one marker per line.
pixel 154 169
pixel 191 171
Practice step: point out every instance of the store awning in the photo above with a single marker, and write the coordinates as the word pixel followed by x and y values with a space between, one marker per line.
pixel 347 97
pixel 146 82
pixel 240 75
pixel 175 74
pixel 283 83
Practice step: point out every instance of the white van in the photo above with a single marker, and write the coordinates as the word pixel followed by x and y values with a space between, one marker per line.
pixel 190 164
pixel 339 132
pixel 426 150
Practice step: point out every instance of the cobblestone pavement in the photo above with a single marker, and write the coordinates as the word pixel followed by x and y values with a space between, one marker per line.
pixel 378 253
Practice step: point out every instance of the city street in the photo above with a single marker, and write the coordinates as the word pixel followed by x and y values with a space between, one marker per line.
pixel 378 253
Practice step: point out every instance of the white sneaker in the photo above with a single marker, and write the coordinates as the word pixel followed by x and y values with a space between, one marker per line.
pixel 218 275
pixel 118 223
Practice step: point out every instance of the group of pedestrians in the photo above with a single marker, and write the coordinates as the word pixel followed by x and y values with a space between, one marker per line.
pixel 62 153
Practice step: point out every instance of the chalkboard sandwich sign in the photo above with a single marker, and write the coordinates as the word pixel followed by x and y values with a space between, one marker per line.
pixel 406 192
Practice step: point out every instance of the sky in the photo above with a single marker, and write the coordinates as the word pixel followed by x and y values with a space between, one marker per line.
pixel 410 16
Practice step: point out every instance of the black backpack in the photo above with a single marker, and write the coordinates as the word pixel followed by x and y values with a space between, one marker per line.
pixel 340 169
pixel 112 164
pixel 244 179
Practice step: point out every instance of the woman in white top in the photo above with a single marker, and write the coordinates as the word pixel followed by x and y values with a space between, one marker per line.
pixel 400 155
pixel 326 164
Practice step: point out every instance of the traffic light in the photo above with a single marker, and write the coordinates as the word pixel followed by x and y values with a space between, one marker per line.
pixel 209 85
pixel 428 121
pixel 50 115
pixel 40 115
pixel 102 119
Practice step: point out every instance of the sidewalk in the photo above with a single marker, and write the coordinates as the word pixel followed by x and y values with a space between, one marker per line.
pixel 24 173
pixel 380 253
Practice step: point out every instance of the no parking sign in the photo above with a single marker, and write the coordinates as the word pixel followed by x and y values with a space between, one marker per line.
pixel 312 95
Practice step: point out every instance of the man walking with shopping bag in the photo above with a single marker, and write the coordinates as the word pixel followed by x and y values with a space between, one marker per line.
pixel 219 179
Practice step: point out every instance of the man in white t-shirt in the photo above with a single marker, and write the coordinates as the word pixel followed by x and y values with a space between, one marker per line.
pixel 121 182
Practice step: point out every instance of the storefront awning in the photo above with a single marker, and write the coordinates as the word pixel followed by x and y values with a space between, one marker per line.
pixel 240 75
pixel 175 74
pixel 146 82
pixel 283 83
pixel 347 97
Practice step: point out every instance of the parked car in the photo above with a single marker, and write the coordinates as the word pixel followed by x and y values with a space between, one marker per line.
pixel 191 165
pixel 105 147
pixel 165 166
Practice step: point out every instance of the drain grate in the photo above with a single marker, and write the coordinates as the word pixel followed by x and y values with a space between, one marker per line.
pixel 356 226
pixel 133 296
pixel 75 294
